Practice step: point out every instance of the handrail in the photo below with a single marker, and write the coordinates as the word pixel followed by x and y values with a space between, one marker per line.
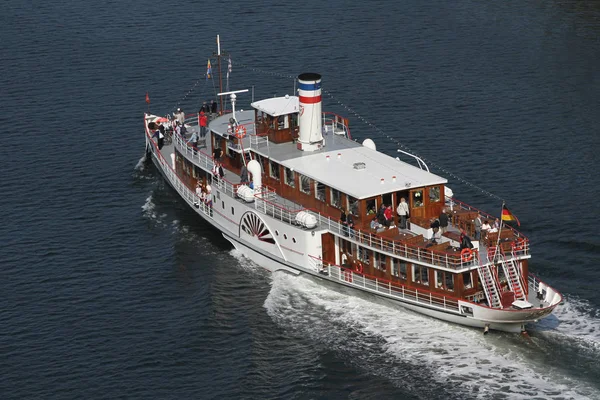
pixel 393 289
pixel 491 217
pixel 206 162
pixel 185 191
pixel 337 120
pixel 399 249
pixel 420 162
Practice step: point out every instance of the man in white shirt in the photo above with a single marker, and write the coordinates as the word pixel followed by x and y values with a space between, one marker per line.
pixel 403 212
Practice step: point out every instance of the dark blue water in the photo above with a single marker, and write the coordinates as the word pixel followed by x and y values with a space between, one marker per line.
pixel 111 288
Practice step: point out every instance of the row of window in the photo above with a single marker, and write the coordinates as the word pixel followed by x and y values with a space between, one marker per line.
pixel 399 268
pixel 307 185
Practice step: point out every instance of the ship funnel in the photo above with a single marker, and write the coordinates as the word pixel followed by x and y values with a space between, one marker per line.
pixel 309 93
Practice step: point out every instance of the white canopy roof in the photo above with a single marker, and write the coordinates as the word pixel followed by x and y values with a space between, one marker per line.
pixel 339 172
pixel 277 106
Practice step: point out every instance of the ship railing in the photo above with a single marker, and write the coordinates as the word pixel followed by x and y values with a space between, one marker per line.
pixel 270 203
pixel 465 206
pixel 204 161
pixel 384 286
pixel 335 124
pixel 399 249
pixel 186 192
pixel 191 152
pixel 250 128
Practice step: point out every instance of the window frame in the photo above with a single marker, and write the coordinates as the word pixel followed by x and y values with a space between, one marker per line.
pixel 277 174
pixel 286 180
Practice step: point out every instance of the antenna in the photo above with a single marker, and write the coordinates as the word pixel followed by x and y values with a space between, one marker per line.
pixel 232 97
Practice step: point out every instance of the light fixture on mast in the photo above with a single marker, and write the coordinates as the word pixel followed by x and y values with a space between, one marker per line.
pixel 232 97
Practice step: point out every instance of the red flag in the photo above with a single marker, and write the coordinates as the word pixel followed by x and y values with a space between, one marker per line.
pixel 508 216
pixel 147 98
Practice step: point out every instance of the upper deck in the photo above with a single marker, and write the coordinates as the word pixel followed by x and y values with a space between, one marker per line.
pixel 341 164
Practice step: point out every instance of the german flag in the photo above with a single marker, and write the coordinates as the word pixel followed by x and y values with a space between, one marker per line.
pixel 508 216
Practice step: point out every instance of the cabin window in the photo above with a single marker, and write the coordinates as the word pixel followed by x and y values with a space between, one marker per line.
pixel 449 281
pixel 371 207
pixel 320 191
pixel 346 246
pixel 467 281
pixel 304 184
pixel 420 274
pixel 274 170
pixel 417 198
pixel 434 194
pixel 335 198
pixel 352 205
pixel 444 280
pixel 399 268
pixel 380 260
pixel 363 255
pixel 290 177
pixel 294 120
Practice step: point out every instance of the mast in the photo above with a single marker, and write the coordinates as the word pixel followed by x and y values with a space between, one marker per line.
pixel 220 77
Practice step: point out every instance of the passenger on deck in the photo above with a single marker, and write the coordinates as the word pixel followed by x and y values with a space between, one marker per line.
pixel 217 154
pixel 381 214
pixel 194 139
pixel 389 216
pixel 402 211
pixel 199 193
pixel 350 223
pixel 204 109
pixel 465 241
pixel 159 134
pixel 344 260
pixel 436 235
pixel 443 221
pixel 375 225
pixel 213 108
pixel 496 224
pixel 343 221
pixel 203 124
pixel 477 222
pixel 485 228
pixel 179 116
pixel 244 175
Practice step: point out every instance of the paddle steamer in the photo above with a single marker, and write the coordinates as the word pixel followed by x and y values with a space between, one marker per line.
pixel 303 169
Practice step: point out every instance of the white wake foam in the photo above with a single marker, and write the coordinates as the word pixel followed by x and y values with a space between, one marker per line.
pixel 140 164
pixel 577 320
pixel 149 211
pixel 244 261
pixel 380 336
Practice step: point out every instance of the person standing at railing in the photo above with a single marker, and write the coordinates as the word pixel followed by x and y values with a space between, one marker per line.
pixel 179 116
pixel 344 222
pixel 160 136
pixel 350 223
pixel 213 109
pixel 478 223
pixel 194 141
pixel 205 108
pixel 203 121
pixel 443 221
pixel 199 194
